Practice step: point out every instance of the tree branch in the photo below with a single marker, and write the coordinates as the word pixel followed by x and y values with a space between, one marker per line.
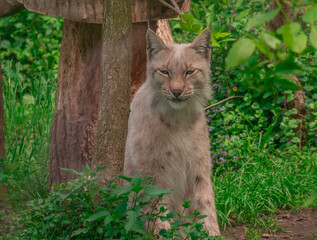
pixel 215 104
pixel 175 7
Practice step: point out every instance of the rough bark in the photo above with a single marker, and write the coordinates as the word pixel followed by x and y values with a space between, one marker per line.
pixel 114 107
pixel 9 8
pixel 79 88
pixel 2 133
pixel 138 67
pixel 90 11
pixel 72 133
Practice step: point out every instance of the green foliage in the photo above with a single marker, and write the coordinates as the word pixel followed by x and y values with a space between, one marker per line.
pixel 255 138
pixel 82 209
pixel 29 51
pixel 250 61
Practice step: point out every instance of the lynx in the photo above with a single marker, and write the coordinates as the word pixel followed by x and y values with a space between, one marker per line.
pixel 168 136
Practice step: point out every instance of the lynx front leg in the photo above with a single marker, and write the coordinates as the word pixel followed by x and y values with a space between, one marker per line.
pixel 204 201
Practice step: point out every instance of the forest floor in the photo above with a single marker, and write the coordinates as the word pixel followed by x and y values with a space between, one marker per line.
pixel 294 225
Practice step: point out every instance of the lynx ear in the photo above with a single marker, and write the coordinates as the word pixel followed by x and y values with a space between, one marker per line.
pixel 154 44
pixel 202 43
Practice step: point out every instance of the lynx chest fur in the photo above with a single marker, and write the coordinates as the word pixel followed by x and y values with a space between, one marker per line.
pixel 167 136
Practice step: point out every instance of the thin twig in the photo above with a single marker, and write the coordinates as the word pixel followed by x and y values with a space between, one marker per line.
pixel 175 8
pixel 215 104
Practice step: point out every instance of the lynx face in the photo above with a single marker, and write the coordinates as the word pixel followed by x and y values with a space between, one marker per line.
pixel 179 73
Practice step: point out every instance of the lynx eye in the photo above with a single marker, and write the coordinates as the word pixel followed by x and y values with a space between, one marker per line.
pixel 164 72
pixel 189 72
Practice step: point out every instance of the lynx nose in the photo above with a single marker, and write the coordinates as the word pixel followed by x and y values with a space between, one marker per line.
pixel 177 92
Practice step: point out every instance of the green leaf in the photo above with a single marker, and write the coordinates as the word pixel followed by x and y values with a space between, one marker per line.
pixel 79 231
pixel 240 52
pixel 243 14
pixel 313 36
pixel 299 44
pixel 285 84
pixel 138 226
pixel 188 18
pixel 121 190
pixel 288 68
pixel 121 208
pixel 271 40
pixel 196 28
pixel 131 220
pixel 287 35
pixel 239 3
pixel 310 200
pixel 311 14
pixel 221 35
pixel 98 215
pixel 292 38
pixel 155 191
pixel 73 171
pixel 261 18
pixel 136 181
pixel 28 99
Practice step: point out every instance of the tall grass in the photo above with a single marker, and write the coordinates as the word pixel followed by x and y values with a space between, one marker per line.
pixel 28 110
pixel 261 181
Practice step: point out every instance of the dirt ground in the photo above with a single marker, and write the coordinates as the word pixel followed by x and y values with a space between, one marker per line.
pixel 297 225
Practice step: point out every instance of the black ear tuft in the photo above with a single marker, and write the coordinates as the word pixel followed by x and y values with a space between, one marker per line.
pixel 202 44
pixel 154 44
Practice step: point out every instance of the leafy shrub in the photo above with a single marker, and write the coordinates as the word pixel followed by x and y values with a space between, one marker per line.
pixel 82 209
pixel 253 64
pixel 29 49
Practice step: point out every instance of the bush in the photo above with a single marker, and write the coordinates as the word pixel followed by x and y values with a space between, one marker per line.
pixel 82 209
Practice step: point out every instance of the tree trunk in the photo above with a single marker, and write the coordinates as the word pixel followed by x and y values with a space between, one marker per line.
pixel 72 133
pixel 114 107
pixel 78 91
pixel 138 66
pixel 9 7
pixel 3 189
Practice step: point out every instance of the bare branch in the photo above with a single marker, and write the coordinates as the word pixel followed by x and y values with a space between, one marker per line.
pixel 175 7
pixel 215 104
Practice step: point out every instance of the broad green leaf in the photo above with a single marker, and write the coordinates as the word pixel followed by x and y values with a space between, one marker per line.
pixel 138 226
pixel 292 38
pixel 239 3
pixel 28 99
pixel 285 84
pixel 261 18
pixel 270 40
pixel 313 36
pixel 136 181
pixel 121 190
pixel 121 208
pixel 240 52
pixel 98 215
pixel 221 35
pixel 287 35
pixel 311 14
pixel 132 215
pixel 310 200
pixel 196 28
pixel 188 18
pixel 155 191
pixel 243 14
pixel 79 231
pixel 288 68
pixel 299 44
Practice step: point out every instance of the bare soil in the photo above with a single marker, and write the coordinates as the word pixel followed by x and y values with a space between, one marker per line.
pixel 294 225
